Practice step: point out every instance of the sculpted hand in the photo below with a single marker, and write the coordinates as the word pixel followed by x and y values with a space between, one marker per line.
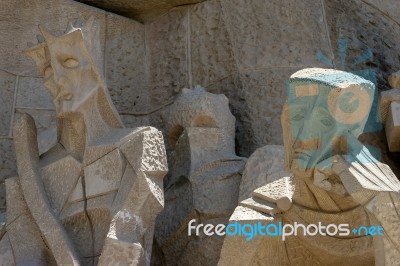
pixel 326 178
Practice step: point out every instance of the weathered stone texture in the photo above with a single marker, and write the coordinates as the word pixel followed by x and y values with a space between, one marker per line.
pixel 7 88
pixel 263 96
pixel 31 93
pixel 166 41
pixel 365 27
pixel 275 33
pixel 125 64
pixel 8 165
pixel 212 57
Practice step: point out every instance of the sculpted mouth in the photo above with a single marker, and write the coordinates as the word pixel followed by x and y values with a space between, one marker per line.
pixel 301 154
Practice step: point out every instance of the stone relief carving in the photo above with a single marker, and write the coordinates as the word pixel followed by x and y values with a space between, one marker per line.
pixel 93 198
pixel 390 108
pixel 333 179
pixel 205 176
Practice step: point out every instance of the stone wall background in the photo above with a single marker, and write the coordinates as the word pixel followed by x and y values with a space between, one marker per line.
pixel 245 49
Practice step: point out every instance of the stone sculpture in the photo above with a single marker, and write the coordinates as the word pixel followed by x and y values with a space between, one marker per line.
pixel 93 198
pixel 205 176
pixel 334 180
pixel 390 110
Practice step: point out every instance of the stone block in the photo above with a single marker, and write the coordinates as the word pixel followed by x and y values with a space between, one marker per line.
pixel 125 64
pixel 276 33
pixel 31 93
pixel 212 57
pixel 7 85
pixel 166 41
pixel 8 165
pixel 392 127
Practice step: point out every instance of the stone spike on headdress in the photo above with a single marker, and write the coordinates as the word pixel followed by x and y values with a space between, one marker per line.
pixel 47 36
pixel 70 28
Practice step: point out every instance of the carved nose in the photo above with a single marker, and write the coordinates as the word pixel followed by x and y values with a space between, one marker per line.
pixel 64 95
pixel 61 81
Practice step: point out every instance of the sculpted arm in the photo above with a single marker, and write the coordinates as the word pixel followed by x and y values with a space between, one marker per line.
pixel 139 199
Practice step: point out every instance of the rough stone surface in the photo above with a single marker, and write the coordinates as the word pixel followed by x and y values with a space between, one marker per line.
pixel 262 32
pixel 212 57
pixel 7 154
pixel 7 85
pixel 31 93
pixel 265 165
pixel 167 42
pixel 365 26
pixel 259 122
pixel 126 66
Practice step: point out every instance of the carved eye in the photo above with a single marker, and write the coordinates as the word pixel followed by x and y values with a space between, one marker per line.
pixel 298 117
pixel 327 122
pixel 70 63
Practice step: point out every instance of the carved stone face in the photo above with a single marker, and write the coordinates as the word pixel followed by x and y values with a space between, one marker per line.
pixel 71 70
pixel 40 54
pixel 320 118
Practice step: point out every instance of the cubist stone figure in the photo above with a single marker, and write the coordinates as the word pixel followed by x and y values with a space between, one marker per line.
pixel 333 179
pixel 205 176
pixel 92 199
pixel 390 112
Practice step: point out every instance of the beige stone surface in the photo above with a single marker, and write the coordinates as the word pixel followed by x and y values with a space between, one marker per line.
pixel 262 32
pixel 212 57
pixel 31 93
pixel 166 40
pixel 7 157
pixel 389 110
pixel 392 127
pixel 125 64
pixel 394 80
pixel 259 123
pixel 7 83
pixel 266 164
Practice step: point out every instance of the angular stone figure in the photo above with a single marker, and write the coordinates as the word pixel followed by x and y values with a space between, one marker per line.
pixel 390 112
pixel 93 198
pixel 205 176
pixel 334 180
